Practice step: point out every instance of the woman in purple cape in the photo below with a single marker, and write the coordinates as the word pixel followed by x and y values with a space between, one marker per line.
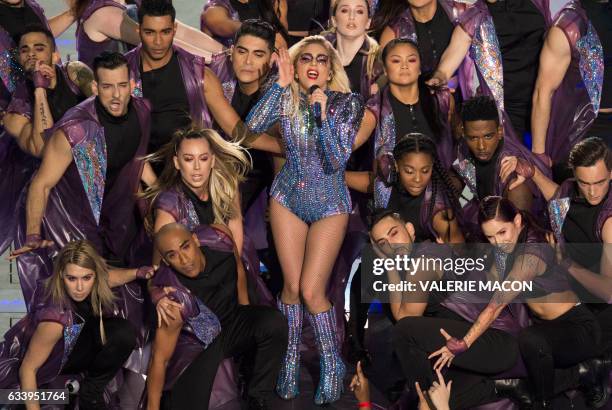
pixel 73 328
pixel 562 334
pixel 103 25
pixel 199 186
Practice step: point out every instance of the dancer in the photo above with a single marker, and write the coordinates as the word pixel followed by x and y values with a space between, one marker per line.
pixel 205 277
pixel 71 328
pixel 563 332
pixel 103 25
pixel 310 200
pixel 50 90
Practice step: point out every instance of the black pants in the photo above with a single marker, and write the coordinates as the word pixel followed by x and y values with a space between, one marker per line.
pixel 603 314
pixel 257 330
pixel 495 351
pixel 100 362
pixel 560 343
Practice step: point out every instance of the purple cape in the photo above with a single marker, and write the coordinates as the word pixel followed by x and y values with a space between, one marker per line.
pixel 180 207
pixel 575 103
pixel 385 139
pixel 88 49
pixel 226 41
pixel 192 69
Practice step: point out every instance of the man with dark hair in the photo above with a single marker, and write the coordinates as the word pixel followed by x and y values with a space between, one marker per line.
pixel 480 153
pixel 176 82
pixel 204 275
pixel 243 74
pixel 580 211
pixel 50 90
pixel 90 172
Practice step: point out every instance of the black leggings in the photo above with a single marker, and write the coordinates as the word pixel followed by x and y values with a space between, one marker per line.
pixel 259 331
pixel 100 362
pixel 495 351
pixel 560 343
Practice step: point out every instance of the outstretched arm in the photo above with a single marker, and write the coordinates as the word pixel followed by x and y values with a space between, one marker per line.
pixel 555 59
pixel 60 23
pixel 452 57
pixel 219 22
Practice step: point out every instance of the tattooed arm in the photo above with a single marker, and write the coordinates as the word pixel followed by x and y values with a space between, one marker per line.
pixel 525 268
pixel 81 76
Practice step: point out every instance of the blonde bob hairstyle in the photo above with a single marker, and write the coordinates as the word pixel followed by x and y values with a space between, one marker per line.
pixel 232 162
pixel 338 82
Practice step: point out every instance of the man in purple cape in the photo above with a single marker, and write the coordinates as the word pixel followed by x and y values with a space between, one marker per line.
pixel 49 91
pixel 480 154
pixel 207 273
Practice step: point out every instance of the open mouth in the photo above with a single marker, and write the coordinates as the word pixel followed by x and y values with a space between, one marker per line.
pixel 115 105
pixel 197 177
pixel 312 74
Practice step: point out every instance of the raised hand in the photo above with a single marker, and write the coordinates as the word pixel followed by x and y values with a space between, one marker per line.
pixel 33 242
pixel 285 68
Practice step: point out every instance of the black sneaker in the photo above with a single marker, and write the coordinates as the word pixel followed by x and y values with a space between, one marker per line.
pixel 516 390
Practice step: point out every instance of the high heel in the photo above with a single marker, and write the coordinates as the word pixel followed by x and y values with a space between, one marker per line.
pixel 287 386
pixel 333 370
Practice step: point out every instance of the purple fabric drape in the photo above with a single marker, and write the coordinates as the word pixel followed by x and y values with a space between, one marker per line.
pixel 226 41
pixel 192 71
pixel 88 49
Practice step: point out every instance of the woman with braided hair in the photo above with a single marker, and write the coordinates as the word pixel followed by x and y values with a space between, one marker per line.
pixel 423 193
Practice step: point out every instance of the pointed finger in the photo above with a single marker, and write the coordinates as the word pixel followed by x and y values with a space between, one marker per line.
pixel 419 392
pixel 445 334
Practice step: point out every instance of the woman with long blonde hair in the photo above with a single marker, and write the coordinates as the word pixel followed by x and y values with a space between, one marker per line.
pixel 71 327
pixel 318 118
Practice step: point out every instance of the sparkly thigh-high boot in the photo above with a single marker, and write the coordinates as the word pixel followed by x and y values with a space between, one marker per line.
pixel 287 385
pixel 332 370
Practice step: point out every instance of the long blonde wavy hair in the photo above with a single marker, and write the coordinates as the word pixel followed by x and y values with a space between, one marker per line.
pixel 232 162
pixel 83 254
pixel 374 47
pixel 338 82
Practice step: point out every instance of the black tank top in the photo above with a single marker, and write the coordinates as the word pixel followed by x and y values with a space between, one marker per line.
pixel 61 98
pixel 520 29
pixel 204 209
pixel 486 174
pixel 409 208
pixel 354 73
pixel 15 19
pixel 433 37
pixel 122 135
pixel 216 285
pixel 165 89
pixel 409 118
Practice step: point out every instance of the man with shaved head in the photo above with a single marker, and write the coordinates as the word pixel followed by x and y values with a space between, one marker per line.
pixel 204 274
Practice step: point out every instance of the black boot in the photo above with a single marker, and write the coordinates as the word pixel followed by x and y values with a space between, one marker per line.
pixel 593 376
pixel 516 390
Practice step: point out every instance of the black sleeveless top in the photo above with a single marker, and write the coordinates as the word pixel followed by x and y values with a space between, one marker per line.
pixel 409 208
pixel 61 98
pixel 204 209
pixel 15 19
pixel 409 118
pixel 433 36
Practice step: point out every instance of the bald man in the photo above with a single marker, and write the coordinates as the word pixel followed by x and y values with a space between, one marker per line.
pixel 207 278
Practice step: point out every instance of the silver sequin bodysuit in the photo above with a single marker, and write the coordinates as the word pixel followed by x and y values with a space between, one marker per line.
pixel 311 183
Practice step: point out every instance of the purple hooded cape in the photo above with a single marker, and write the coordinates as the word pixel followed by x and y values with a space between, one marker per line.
pixel 88 49
pixel 560 204
pixel 575 103
pixel 192 71
pixel 176 203
pixel 76 210
pixel 385 140
pixel 226 41
pixel 465 168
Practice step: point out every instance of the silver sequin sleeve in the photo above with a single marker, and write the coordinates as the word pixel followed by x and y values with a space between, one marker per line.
pixel 266 112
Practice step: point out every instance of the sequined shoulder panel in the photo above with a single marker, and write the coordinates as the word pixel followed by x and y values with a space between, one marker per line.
pixel 591 65
pixel 229 87
pixel 486 54
pixel 205 325
pixel 71 334
pixel 557 209
pixel 467 171
pixel 90 158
